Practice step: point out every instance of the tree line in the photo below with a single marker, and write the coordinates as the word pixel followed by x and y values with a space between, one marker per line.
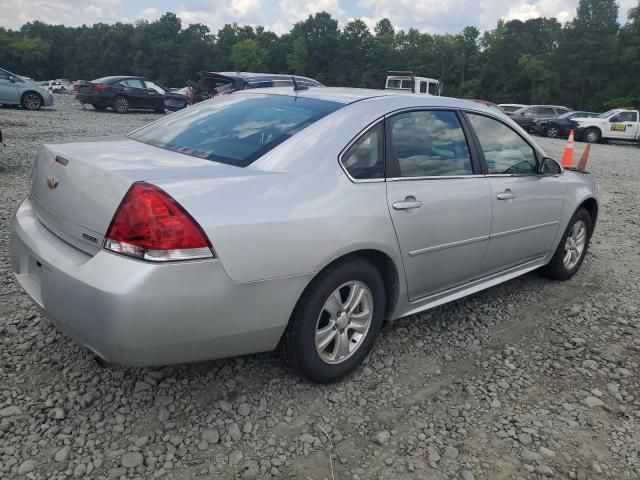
pixel 591 62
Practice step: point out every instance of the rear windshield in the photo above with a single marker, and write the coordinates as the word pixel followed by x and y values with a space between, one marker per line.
pixel 236 129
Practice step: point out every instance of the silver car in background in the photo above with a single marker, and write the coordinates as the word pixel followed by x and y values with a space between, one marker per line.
pixel 297 220
pixel 17 90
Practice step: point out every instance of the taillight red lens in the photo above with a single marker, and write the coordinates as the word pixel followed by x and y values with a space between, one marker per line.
pixel 99 87
pixel 151 225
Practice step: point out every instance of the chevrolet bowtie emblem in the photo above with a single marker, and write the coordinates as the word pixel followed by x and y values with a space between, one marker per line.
pixel 52 182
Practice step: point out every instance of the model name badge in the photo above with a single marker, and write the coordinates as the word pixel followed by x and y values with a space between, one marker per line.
pixel 52 182
pixel 91 238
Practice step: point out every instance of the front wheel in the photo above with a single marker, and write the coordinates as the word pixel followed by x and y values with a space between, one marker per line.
pixel 336 321
pixel 552 131
pixel 572 248
pixel 592 135
pixel 31 101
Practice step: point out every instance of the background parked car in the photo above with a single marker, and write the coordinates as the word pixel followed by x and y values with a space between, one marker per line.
pixel 216 83
pixel 559 126
pixel 486 102
pixel 54 86
pixel 16 91
pixel 527 115
pixel 122 93
pixel 511 107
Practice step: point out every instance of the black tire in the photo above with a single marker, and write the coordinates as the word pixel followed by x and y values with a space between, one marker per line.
pixel 556 268
pixel 31 101
pixel 592 135
pixel 120 104
pixel 298 347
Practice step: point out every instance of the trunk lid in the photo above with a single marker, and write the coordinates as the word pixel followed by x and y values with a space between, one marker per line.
pixel 77 187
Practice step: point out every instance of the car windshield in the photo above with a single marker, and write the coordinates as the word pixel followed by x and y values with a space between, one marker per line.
pixel 235 129
pixel 607 114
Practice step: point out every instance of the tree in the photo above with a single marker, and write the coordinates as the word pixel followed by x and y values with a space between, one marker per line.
pixel 248 56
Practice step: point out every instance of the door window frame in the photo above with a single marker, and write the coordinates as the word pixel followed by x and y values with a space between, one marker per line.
pixel 485 169
pixel 392 167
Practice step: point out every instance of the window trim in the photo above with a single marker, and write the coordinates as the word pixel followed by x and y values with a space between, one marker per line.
pixel 538 154
pixel 381 152
pixel 392 167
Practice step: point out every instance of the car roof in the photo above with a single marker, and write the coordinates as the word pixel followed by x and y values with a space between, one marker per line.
pixel 115 78
pixel 344 95
pixel 263 76
pixel 347 95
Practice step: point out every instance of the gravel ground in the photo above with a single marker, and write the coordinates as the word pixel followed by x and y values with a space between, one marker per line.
pixel 530 379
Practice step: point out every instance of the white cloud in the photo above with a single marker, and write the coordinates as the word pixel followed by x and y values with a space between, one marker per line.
pixel 148 14
pixel 435 16
pixel 295 10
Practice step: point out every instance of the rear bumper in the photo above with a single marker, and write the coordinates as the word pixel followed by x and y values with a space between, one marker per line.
pixel 94 99
pixel 141 314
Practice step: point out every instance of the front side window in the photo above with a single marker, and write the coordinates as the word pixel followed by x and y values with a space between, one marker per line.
pixel 423 87
pixel 429 143
pixel 364 159
pixel 235 129
pixel 407 84
pixel 433 88
pixel 626 117
pixel 505 151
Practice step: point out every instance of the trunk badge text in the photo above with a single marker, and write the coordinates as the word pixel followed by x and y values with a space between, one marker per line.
pixel 52 182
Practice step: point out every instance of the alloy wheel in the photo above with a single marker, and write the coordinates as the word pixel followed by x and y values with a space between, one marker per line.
pixel 592 136
pixel 344 322
pixel 552 132
pixel 31 101
pixel 574 245
pixel 120 105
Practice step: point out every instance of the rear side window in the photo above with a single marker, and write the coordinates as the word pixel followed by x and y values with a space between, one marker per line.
pixel 364 159
pixel 132 83
pixel 235 129
pixel 504 150
pixel 429 143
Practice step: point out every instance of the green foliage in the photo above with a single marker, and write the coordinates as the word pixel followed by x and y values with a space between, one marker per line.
pixel 248 56
pixel 591 62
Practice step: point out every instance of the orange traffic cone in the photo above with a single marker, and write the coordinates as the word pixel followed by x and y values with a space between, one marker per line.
pixel 582 164
pixel 567 157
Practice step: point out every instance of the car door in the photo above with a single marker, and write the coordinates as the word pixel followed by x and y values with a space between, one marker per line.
pixel 136 93
pixel 156 95
pixel 8 89
pixel 623 126
pixel 527 205
pixel 439 201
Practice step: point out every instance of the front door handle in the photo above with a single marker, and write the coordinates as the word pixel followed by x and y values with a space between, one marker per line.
pixel 506 195
pixel 407 204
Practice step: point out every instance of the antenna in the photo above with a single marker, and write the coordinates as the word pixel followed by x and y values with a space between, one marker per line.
pixel 296 87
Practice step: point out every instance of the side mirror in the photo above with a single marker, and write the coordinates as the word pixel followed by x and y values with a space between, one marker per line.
pixel 613 119
pixel 12 79
pixel 550 167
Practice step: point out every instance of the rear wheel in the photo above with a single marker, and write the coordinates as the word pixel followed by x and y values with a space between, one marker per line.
pixel 572 248
pixel 31 101
pixel 120 104
pixel 592 135
pixel 336 321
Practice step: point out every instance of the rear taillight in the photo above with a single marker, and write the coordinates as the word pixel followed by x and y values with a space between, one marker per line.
pixel 150 225
pixel 99 88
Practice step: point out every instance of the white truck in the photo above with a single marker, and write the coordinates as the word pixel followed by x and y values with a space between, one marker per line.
pixel 408 82
pixel 617 124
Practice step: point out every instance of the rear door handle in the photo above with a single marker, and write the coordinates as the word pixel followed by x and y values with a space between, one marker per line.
pixel 506 195
pixel 407 204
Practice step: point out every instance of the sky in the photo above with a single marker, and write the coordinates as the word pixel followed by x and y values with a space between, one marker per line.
pixel 433 16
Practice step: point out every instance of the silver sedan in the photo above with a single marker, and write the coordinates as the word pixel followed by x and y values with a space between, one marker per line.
pixel 292 219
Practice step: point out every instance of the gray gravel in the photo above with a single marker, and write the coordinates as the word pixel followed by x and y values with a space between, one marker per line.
pixel 531 379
